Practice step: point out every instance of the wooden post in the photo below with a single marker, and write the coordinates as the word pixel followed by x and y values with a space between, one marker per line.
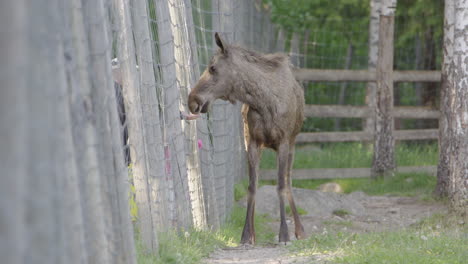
pixel 383 162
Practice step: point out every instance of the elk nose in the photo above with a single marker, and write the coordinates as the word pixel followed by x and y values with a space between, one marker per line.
pixel 193 105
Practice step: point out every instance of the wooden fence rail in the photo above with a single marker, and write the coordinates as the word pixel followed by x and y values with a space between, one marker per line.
pixel 380 111
pixel 332 173
pixel 319 75
pixel 348 111
pixel 406 134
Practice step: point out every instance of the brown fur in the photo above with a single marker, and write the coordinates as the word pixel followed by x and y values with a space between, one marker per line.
pixel 273 103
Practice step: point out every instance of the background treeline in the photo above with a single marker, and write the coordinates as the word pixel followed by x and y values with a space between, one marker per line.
pixel 334 35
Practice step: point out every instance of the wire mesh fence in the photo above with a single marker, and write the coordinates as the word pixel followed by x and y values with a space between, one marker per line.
pixel 95 102
pixel 96 94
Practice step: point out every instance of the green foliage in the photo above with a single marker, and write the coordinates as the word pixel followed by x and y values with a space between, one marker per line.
pixel 193 245
pixel 402 184
pixel 356 155
pixel 298 15
pixel 240 189
pixel 131 196
pixel 300 210
pixel 335 25
pixel 353 155
pixel 442 240
pixel 340 212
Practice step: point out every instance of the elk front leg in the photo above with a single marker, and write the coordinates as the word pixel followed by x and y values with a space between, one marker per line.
pixel 283 157
pixel 298 228
pixel 253 155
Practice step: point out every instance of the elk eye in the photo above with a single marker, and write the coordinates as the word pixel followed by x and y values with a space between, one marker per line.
pixel 212 69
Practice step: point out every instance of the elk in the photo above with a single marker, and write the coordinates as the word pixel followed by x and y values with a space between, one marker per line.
pixel 273 113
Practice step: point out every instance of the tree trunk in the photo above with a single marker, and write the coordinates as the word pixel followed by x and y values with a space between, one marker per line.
pixel 383 162
pixel 110 152
pixel 371 90
pixel 183 40
pixel 443 169
pixel 180 212
pixel 458 117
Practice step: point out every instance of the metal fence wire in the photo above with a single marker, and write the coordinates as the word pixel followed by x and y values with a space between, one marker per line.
pixel 94 95
pixel 93 105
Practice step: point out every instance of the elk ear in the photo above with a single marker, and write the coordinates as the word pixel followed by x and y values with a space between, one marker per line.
pixel 220 43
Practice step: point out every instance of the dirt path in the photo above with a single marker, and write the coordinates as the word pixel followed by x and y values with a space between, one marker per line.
pixel 366 214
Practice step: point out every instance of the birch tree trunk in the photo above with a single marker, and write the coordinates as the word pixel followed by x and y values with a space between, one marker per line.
pixel 185 67
pixel 371 90
pixel 383 162
pixel 29 122
pixel 150 188
pixel 173 137
pixel 85 141
pixel 74 242
pixel 66 200
pixel 14 120
pixel 458 117
pixel 110 152
pixel 443 169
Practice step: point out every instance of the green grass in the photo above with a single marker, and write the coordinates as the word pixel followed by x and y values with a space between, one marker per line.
pixel 352 155
pixel 358 155
pixel 193 245
pixel 300 210
pixel 439 239
pixel 402 184
pixel 340 212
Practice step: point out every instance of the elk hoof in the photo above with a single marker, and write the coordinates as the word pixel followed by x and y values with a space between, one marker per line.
pixel 283 236
pixel 248 241
pixel 300 234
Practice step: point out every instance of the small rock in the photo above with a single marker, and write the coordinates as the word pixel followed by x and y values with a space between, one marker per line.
pixel 409 180
pixel 331 187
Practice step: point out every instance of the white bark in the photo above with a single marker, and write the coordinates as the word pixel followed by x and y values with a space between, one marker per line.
pixel 458 118
pixel 203 132
pixel 185 67
pixel 85 140
pixel 443 170
pixel 383 162
pixel 119 233
pixel 173 137
pixel 371 90
pixel 150 194
pixel 13 128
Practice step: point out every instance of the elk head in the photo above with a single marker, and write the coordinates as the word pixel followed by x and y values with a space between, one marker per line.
pixel 216 81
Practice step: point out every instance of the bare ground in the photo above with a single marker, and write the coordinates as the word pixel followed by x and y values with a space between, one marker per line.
pixel 362 213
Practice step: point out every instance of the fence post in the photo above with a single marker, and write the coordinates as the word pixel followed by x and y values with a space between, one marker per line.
pixel 185 80
pixel 173 137
pixel 384 147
